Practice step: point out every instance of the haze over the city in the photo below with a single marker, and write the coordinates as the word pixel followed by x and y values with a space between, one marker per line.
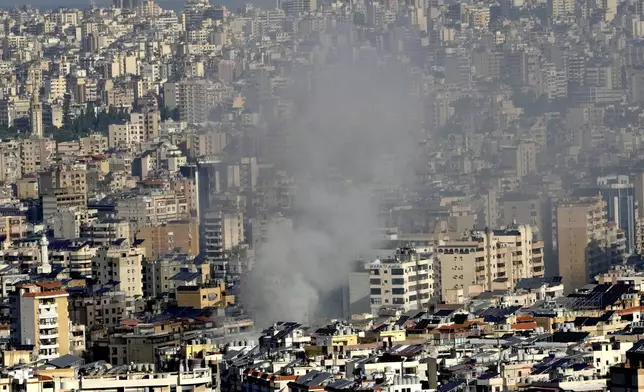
pixel 322 196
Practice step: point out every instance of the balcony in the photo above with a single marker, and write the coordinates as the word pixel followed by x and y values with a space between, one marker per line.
pixel 51 345
pixel 197 376
pixel 48 314
pixel 48 356
pixel 49 334
pixel 47 306
pixel 146 380
pixel 48 324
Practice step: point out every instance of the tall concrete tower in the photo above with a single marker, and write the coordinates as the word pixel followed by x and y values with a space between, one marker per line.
pixel 36 115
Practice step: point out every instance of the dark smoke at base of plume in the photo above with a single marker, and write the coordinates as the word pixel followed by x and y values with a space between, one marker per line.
pixel 352 137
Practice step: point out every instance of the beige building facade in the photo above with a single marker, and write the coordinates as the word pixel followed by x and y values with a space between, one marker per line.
pixel 488 259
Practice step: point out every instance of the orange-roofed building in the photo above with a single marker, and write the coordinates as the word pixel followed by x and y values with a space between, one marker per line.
pixel 42 318
pixel 266 382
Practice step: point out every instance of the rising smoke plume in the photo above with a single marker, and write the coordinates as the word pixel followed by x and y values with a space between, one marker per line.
pixel 354 136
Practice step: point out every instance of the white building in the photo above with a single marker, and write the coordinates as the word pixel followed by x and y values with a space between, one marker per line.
pixel 404 282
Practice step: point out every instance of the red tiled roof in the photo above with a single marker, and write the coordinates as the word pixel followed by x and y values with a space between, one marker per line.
pixel 45 293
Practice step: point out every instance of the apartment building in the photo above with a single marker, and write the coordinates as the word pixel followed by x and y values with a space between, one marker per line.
pixel 27 254
pixel 141 127
pixel 55 88
pixel 107 376
pixel 70 177
pixel 14 111
pixel 140 344
pixel 93 144
pixel 105 310
pixel 197 379
pixel 619 195
pixel 163 274
pixel 119 96
pixel 206 144
pixel 222 230
pixel 194 98
pixel 581 228
pixel 488 260
pixel 102 232
pixel 41 318
pixel 61 199
pixel 14 227
pixel 10 161
pixel 402 282
pixel 27 188
pixel 154 208
pixel 36 153
pixel 121 263
pixel 202 297
pixel 67 221
pixel 179 234
pixel 73 255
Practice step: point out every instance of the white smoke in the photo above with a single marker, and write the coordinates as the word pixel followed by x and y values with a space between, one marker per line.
pixel 354 135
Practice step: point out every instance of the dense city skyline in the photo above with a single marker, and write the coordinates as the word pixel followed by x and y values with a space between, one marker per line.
pixel 322 196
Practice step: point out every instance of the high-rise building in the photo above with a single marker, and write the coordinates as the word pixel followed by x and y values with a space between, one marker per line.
pixel 522 209
pixel 560 8
pixel 127 4
pixel 69 177
pixel 141 127
pixel 294 7
pixel 105 231
pixel 458 68
pixel 222 230
pixel 490 215
pixel 153 208
pixel 403 282
pixel 610 9
pixel 165 273
pixel 638 192
pixel 41 318
pixel 121 263
pixel 581 234
pixel 36 153
pixel 490 259
pixel 521 158
pixel 160 239
pixel 61 199
pixel 14 227
pixel 619 194
pixel 636 85
pixel 194 98
pixel 73 255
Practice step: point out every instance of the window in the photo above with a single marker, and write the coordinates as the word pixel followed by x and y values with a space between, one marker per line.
pixel 398 281
pixel 397 271
pixel 374 281
pixel 398 291
pixel 376 291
